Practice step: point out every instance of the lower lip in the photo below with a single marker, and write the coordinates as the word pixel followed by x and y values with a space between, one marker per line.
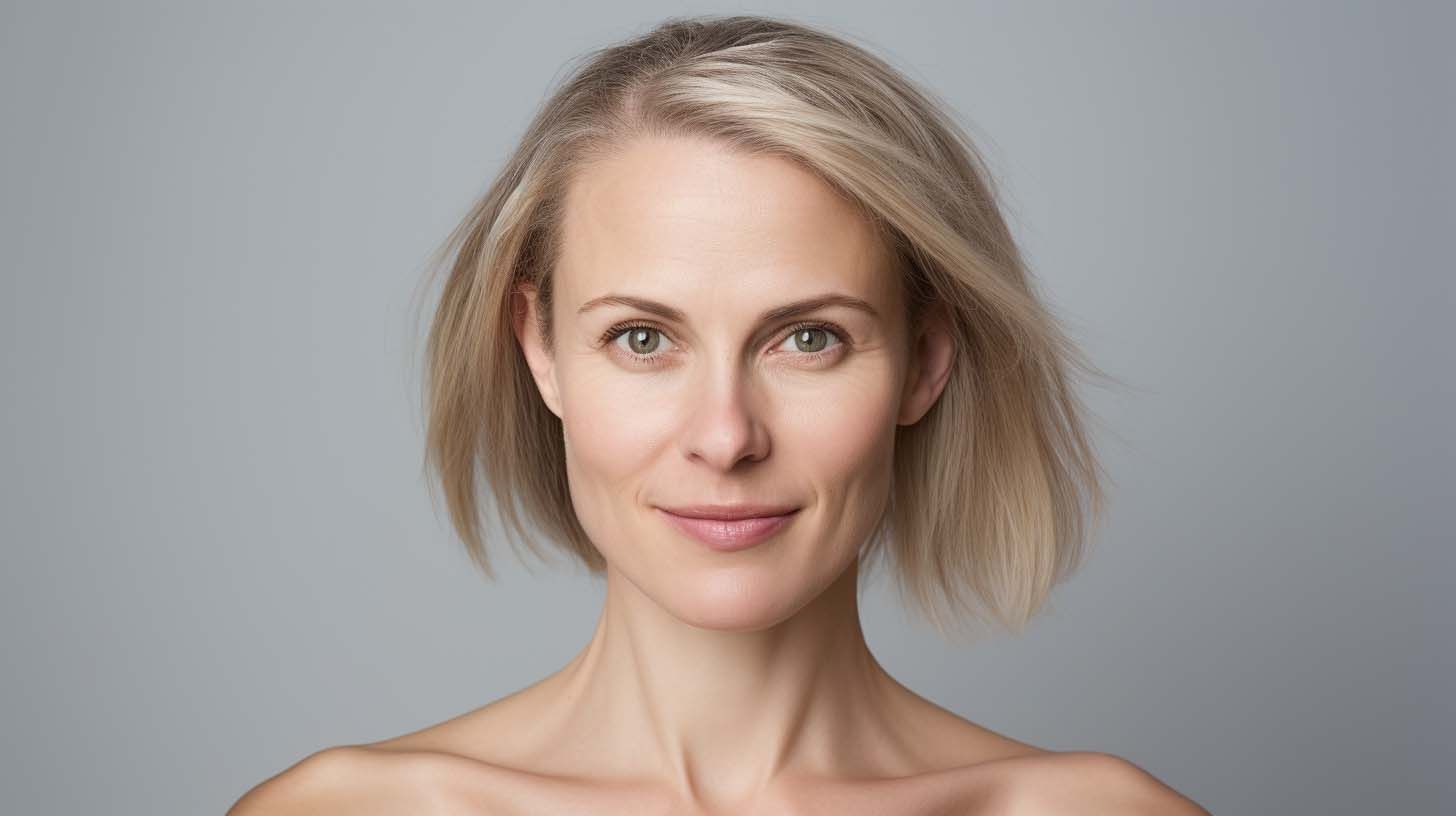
pixel 727 535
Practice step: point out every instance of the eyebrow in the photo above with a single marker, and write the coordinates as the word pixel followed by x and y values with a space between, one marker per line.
pixel 783 312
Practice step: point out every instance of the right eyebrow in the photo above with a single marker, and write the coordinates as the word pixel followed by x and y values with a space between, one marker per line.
pixel 662 310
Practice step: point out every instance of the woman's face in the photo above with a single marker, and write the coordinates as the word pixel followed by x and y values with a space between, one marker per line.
pixel 683 380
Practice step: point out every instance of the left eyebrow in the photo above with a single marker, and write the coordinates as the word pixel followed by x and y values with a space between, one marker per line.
pixel 777 313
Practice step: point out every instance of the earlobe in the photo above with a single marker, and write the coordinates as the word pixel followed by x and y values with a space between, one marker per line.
pixel 931 359
pixel 526 325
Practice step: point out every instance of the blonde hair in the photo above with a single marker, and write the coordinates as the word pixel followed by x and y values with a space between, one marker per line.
pixel 993 490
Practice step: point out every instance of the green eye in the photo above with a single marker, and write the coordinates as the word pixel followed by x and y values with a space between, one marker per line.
pixel 811 340
pixel 642 340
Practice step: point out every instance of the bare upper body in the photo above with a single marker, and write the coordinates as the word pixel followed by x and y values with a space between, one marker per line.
pixel 477 765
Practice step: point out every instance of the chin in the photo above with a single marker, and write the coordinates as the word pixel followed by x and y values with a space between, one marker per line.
pixel 740 599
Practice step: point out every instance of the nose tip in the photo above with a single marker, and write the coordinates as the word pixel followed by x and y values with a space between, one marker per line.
pixel 726 428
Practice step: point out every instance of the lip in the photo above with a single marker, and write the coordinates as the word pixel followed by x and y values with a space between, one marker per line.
pixel 727 528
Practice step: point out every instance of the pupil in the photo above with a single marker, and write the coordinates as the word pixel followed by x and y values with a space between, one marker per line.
pixel 806 338
pixel 640 338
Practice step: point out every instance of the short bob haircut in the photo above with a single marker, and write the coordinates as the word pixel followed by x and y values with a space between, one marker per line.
pixel 994 491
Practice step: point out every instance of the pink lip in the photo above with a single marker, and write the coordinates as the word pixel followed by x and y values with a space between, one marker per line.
pixel 728 532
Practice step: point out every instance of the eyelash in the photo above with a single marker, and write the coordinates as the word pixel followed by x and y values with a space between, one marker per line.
pixel 651 360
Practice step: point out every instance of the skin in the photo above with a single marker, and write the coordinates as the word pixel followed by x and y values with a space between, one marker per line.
pixel 721 682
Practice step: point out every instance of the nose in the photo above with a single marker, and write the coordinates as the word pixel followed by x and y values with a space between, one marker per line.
pixel 725 423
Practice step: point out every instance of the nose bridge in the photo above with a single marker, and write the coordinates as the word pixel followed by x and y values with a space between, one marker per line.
pixel 725 422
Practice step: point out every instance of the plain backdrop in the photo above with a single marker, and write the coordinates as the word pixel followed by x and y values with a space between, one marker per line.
pixel 220 553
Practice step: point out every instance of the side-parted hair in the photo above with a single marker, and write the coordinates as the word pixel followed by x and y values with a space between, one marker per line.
pixel 995 491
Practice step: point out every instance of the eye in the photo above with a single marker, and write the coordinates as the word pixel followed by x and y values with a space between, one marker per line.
pixel 646 345
pixel 640 341
pixel 812 339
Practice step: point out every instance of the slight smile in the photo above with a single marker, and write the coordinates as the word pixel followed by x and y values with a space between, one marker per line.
pixel 728 528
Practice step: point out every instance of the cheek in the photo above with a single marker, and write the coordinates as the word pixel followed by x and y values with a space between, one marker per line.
pixel 618 427
pixel 840 431
pixel 615 429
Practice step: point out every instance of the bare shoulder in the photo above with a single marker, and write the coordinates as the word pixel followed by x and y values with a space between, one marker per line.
pixel 1078 782
pixel 420 772
pixel 274 794
pixel 339 780
pixel 403 774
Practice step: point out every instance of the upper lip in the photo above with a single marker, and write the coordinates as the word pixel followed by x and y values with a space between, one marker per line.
pixel 729 512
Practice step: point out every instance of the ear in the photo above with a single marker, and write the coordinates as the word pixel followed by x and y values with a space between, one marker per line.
pixel 526 324
pixel 931 356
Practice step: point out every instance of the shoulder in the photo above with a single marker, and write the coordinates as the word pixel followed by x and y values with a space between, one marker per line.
pixel 1057 783
pixel 406 771
pixel 339 780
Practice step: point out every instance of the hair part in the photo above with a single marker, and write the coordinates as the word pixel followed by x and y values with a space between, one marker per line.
pixel 995 491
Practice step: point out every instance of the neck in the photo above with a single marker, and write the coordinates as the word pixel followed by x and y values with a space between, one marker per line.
pixel 719 715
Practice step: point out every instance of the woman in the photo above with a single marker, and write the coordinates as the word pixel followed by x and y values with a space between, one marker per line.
pixel 740 316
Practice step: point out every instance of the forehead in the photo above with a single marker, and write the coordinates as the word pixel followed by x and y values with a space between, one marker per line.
pixel 687 216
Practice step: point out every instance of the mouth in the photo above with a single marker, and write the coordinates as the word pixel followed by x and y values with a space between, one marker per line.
pixel 728 528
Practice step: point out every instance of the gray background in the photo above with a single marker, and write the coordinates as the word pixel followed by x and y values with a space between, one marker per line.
pixel 219 551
